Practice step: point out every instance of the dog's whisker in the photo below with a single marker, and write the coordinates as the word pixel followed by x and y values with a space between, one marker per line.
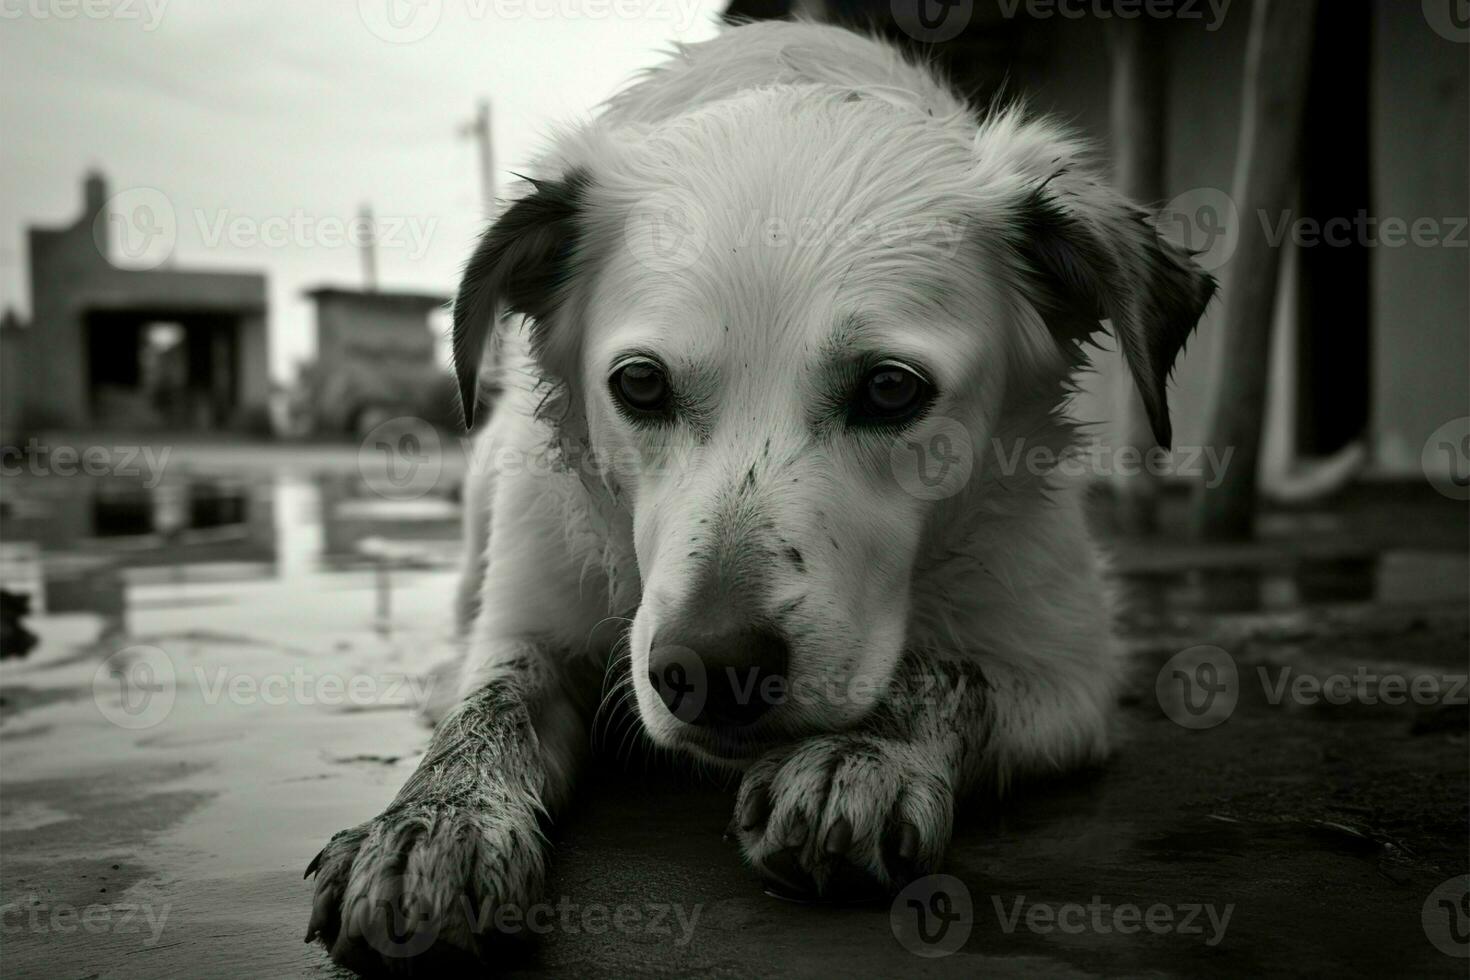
pixel 620 686
pixel 620 657
pixel 618 709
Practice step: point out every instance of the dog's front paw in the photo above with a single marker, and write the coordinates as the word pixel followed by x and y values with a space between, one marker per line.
pixel 844 817
pixel 424 884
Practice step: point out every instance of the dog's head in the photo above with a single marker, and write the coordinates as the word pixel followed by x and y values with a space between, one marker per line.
pixel 759 314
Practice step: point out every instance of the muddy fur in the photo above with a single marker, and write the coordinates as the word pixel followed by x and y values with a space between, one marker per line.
pixel 463 839
pixel 944 648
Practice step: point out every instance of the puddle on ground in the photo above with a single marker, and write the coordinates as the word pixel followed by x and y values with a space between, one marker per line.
pixel 77 543
pixel 1392 576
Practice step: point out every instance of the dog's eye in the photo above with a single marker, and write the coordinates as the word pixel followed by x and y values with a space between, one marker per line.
pixel 890 394
pixel 641 386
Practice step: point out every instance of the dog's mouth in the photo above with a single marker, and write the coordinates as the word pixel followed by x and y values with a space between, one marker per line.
pixel 731 746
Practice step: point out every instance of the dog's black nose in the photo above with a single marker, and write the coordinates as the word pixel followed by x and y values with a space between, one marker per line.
pixel 720 679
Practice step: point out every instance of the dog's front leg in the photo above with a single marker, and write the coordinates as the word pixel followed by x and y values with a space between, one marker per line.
pixel 461 843
pixel 855 813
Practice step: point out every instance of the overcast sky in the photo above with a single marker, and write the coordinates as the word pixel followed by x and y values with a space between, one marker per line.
pixel 262 126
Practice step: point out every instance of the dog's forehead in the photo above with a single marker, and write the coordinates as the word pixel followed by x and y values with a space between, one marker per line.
pixel 789 230
pixel 778 283
pixel 791 180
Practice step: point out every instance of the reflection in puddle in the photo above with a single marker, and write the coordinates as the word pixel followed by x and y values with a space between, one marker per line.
pixel 170 509
pixel 76 543
pixel 1390 577
pixel 298 525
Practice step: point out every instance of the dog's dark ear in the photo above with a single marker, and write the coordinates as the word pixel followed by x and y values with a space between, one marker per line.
pixel 522 265
pixel 1100 258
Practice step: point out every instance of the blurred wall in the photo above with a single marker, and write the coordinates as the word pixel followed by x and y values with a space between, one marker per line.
pixel 1421 296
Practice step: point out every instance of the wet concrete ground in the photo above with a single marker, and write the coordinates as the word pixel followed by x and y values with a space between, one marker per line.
pixel 1290 838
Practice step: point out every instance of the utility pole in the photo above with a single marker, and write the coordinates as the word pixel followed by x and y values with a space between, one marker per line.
pixel 478 129
pixel 368 248
pixel 1267 169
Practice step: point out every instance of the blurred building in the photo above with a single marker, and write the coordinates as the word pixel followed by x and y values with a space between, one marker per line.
pixel 13 336
pixel 375 361
pixel 1371 333
pixel 131 349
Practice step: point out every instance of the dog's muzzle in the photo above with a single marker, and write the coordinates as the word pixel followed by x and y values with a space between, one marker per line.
pixel 722 680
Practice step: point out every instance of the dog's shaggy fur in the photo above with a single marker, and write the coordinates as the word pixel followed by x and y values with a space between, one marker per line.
pixel 837 204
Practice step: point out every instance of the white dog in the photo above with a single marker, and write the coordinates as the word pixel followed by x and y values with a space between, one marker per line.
pixel 754 307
